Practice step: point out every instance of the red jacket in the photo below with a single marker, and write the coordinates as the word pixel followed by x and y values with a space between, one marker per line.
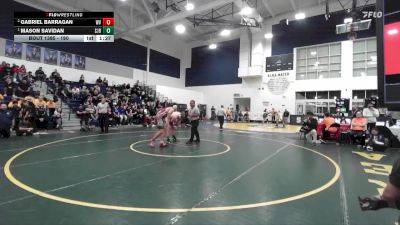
pixel 22 70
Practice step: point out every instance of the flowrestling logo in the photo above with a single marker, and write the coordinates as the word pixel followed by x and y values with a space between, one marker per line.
pixel 372 14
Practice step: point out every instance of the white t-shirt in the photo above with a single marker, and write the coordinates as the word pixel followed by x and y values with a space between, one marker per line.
pixel 371 114
pixel 102 107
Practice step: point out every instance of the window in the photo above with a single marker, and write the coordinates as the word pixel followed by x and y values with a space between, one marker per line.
pixel 300 95
pixel 363 94
pixel 311 95
pixel 319 62
pixel 358 94
pixel 322 95
pixel 318 102
pixel 371 93
pixel 364 58
pixel 334 94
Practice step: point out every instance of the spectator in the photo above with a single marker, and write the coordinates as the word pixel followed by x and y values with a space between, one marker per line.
pixel 286 115
pixel 376 141
pixel 30 77
pixel 83 117
pixel 246 116
pixel 327 122
pixel 370 114
pixel 14 70
pixel 7 70
pixel 41 102
pixel 57 118
pixel 9 88
pixel 21 73
pixel 51 106
pixel 98 81
pixel 75 92
pixel 25 127
pixel 22 70
pixel 358 128
pixel 82 80
pixel 2 70
pixel 310 128
pixel 105 82
pixel 40 75
pixel 24 89
pixel 273 115
pixel 42 120
pixel 123 116
pixel 6 121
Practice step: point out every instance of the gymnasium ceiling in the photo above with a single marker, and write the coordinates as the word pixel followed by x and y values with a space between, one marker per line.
pixel 136 18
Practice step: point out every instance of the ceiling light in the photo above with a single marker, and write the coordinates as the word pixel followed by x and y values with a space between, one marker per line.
pixel 225 32
pixel 313 53
pixel 393 32
pixel 180 28
pixel 363 74
pixel 123 0
pixel 300 16
pixel 348 20
pixel 189 6
pixel 246 11
pixel 268 35
pixel 212 46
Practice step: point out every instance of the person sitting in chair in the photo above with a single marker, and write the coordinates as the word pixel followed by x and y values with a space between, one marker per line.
pixel 358 128
pixel 328 121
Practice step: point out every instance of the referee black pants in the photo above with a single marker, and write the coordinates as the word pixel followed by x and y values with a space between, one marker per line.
pixel 194 131
pixel 103 122
pixel 221 121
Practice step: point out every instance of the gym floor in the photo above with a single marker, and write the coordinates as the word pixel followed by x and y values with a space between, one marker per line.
pixel 231 177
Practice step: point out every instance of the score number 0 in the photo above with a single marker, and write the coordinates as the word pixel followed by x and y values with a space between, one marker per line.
pixel 108 22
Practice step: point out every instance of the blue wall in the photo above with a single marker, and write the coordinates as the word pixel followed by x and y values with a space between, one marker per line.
pixel 120 52
pixel 215 67
pixel 312 31
pixel 164 64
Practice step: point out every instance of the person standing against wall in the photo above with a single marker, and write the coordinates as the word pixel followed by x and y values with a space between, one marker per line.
pixel 102 114
pixel 286 115
pixel 371 114
pixel 221 117
pixel 194 116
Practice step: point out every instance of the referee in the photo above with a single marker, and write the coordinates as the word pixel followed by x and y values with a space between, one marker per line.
pixel 102 115
pixel 194 116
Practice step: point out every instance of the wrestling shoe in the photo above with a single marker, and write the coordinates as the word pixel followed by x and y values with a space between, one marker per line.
pixel 163 145
pixel 372 203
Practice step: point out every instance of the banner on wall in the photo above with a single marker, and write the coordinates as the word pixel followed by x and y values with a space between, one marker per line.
pixel 33 53
pixel 13 49
pixel 65 59
pixel 278 82
pixel 50 56
pixel 80 62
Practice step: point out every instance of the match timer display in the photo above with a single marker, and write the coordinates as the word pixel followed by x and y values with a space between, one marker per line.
pixel 64 26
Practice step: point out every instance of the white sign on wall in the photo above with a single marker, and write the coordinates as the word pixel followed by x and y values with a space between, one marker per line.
pixel 278 82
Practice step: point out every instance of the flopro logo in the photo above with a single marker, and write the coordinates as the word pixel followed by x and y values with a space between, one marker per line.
pixel 372 14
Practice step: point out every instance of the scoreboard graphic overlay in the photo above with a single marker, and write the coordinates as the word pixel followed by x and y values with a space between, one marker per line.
pixel 63 26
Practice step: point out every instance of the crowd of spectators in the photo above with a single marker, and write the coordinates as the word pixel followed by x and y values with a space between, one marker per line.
pixel 25 110
pixel 31 111
pixel 362 130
